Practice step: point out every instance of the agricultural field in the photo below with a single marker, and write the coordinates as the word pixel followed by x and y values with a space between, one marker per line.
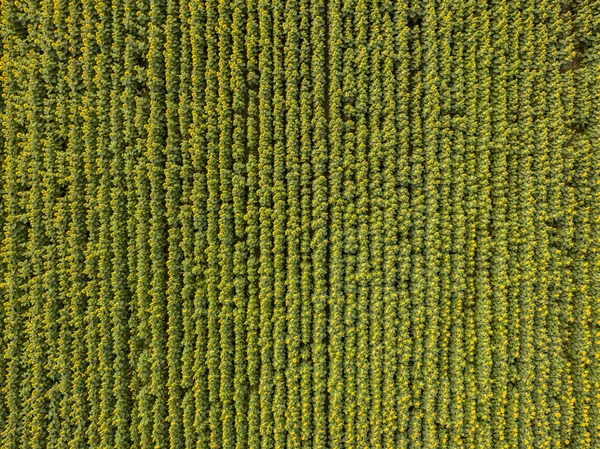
pixel 268 224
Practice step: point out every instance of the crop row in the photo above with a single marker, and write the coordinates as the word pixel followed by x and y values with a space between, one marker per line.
pixel 300 223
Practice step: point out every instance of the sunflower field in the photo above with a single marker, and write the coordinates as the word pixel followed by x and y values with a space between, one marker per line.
pixel 268 224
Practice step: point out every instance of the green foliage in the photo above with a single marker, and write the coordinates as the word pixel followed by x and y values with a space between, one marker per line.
pixel 299 224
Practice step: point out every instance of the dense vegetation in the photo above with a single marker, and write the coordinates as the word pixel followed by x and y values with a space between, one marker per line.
pixel 300 224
